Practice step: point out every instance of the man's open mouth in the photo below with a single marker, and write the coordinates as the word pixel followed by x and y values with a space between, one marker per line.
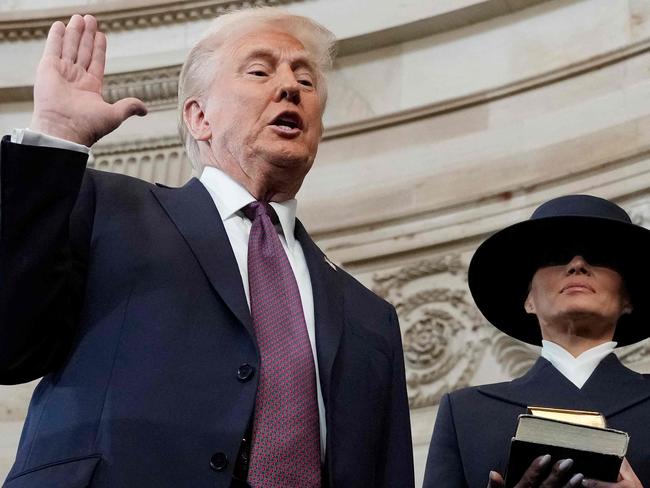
pixel 288 120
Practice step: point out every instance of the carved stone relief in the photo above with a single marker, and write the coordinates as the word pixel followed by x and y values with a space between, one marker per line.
pixel 515 357
pixel 444 335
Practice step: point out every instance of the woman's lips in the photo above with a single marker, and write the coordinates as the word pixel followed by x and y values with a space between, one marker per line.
pixel 576 288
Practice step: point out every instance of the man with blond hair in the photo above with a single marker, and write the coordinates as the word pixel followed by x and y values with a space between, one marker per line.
pixel 194 336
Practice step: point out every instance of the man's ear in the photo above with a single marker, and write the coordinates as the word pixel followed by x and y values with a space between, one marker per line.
pixel 529 305
pixel 627 308
pixel 627 302
pixel 195 121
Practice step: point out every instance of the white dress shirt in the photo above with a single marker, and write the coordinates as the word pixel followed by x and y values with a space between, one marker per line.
pixel 32 138
pixel 230 197
pixel 576 369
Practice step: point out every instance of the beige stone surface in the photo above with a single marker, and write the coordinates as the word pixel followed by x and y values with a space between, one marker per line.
pixel 13 408
pixel 9 436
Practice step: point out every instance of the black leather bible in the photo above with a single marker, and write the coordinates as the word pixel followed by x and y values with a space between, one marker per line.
pixel 597 452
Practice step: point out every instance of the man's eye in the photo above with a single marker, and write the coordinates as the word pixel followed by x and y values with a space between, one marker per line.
pixel 257 72
pixel 306 82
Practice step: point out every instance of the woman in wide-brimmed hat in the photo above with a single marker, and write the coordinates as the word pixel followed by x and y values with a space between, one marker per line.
pixel 573 279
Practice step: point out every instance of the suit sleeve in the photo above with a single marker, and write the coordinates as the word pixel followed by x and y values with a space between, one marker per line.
pixel 398 456
pixel 42 264
pixel 444 464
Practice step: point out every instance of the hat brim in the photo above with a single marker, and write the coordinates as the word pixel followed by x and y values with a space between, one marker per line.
pixel 502 267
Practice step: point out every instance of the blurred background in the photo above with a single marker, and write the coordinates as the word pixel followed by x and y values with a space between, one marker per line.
pixel 446 120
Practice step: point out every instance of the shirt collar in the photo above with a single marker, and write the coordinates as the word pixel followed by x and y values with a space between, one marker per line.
pixel 230 197
pixel 286 212
pixel 576 369
pixel 555 350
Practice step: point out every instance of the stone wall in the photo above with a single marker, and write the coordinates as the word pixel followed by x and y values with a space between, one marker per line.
pixel 447 120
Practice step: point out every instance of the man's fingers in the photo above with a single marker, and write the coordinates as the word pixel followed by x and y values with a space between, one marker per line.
pixel 54 42
pixel 73 32
pixel 87 42
pixel 98 58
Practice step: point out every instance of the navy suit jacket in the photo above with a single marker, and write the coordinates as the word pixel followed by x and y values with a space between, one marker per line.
pixel 127 297
pixel 474 425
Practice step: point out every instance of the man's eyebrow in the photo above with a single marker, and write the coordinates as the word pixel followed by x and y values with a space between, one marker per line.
pixel 301 60
pixel 260 53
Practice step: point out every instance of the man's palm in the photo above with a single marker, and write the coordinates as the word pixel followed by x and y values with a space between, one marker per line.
pixel 68 101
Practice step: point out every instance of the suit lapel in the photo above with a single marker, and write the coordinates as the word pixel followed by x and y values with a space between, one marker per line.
pixel 328 307
pixel 542 386
pixel 194 214
pixel 611 388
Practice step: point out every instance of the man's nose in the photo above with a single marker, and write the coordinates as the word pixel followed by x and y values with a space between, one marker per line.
pixel 288 87
pixel 292 94
pixel 578 265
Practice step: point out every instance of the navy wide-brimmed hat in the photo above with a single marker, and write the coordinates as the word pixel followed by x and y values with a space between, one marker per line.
pixel 599 230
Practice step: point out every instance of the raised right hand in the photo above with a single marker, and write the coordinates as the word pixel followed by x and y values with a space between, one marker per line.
pixel 68 101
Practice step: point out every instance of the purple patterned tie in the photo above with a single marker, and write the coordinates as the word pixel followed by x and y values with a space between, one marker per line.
pixel 285 446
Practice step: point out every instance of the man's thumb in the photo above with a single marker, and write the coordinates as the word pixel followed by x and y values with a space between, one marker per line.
pixel 127 107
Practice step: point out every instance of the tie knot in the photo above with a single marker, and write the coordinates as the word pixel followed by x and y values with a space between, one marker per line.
pixel 258 209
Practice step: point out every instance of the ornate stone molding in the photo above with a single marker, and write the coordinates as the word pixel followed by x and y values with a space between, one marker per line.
pixel 515 357
pixel 127 18
pixel 386 284
pixel 144 145
pixel 118 16
pixel 158 88
pixel 444 336
pixel 154 160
